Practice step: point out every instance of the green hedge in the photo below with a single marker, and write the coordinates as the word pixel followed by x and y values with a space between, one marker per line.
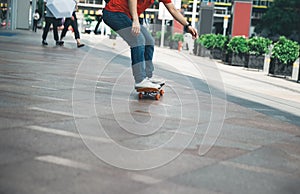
pixel 238 45
pixel 286 51
pixel 211 41
pixel 259 45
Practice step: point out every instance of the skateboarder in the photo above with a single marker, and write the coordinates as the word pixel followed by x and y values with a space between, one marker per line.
pixel 123 17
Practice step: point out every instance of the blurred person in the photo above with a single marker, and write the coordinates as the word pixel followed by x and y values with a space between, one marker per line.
pixel 190 42
pixel 50 19
pixel 36 18
pixel 72 21
pixel 99 20
pixel 123 17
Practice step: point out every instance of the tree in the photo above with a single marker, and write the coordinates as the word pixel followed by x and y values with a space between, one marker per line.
pixel 282 18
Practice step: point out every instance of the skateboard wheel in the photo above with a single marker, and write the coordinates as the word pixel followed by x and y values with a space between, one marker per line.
pixel 140 95
pixel 157 96
pixel 162 92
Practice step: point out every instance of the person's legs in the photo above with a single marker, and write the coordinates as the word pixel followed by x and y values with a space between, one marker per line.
pixel 120 23
pixel 46 30
pixel 97 25
pixel 149 50
pixel 76 33
pixel 75 28
pixel 148 55
pixel 55 31
pixel 35 25
pixel 66 26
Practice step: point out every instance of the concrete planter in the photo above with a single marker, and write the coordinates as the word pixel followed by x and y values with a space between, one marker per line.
pixel 173 45
pixel 204 52
pixel 157 42
pixel 198 50
pixel 226 57
pixel 256 62
pixel 195 50
pixel 279 69
pixel 239 59
pixel 216 53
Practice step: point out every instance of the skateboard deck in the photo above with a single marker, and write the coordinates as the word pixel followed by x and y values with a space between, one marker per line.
pixel 153 92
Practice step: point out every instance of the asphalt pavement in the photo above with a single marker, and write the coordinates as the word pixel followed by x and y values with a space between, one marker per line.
pixel 71 122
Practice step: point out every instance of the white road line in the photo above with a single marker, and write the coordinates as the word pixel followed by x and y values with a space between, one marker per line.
pixel 144 179
pixel 68 134
pixel 261 109
pixel 51 98
pixel 47 88
pixel 56 112
pixel 79 165
pixel 101 87
pixel 63 162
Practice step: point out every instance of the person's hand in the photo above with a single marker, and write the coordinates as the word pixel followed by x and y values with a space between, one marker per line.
pixel 193 32
pixel 72 18
pixel 136 29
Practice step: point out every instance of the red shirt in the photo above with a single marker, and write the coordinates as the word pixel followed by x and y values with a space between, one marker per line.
pixel 122 6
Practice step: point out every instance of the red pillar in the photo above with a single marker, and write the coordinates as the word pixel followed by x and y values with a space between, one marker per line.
pixel 177 27
pixel 241 21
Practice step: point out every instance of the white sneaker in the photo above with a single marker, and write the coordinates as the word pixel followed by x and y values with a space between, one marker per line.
pixel 146 83
pixel 158 81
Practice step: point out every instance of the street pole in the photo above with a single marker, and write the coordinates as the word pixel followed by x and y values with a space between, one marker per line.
pixel 162 39
pixel 225 25
pixel 194 13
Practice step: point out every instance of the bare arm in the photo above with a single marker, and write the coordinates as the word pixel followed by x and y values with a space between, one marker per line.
pixel 135 18
pixel 179 17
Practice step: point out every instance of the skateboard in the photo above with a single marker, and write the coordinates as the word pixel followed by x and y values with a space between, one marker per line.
pixel 153 92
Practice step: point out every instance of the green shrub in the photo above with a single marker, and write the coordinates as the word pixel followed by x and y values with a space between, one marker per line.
pixel 158 35
pixel 198 40
pixel 176 37
pixel 259 45
pixel 211 41
pixel 238 45
pixel 286 51
pixel 206 40
pixel 219 41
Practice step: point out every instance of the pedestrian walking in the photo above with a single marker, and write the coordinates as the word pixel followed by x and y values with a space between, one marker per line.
pixel 72 21
pixel 123 17
pixel 36 18
pixel 50 19
pixel 99 19
pixel 189 41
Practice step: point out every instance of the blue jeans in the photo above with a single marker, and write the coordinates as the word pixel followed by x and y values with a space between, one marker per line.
pixel 141 46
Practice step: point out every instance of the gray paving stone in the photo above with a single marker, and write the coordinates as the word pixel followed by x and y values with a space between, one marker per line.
pixel 227 179
pixel 281 157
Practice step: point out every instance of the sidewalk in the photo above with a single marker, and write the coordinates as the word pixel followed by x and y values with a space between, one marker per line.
pixel 71 122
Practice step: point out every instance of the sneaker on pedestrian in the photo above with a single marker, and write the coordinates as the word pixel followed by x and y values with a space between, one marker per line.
pixel 146 83
pixel 157 80
pixel 44 42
